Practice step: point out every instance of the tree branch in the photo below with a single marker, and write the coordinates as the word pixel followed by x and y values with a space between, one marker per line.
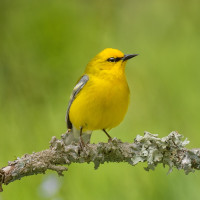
pixel 169 150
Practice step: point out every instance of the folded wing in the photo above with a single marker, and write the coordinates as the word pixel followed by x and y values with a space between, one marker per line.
pixel 84 79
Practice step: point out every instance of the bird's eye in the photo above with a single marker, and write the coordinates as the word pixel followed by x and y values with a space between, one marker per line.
pixel 111 59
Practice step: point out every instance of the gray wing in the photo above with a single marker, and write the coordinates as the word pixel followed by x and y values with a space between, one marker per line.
pixel 75 91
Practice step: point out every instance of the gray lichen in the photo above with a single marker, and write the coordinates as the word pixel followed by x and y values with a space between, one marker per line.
pixel 169 150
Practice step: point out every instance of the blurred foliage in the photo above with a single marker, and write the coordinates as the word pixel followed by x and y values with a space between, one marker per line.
pixel 45 46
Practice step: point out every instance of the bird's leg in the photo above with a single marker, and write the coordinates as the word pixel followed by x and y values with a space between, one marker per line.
pixel 110 138
pixel 82 144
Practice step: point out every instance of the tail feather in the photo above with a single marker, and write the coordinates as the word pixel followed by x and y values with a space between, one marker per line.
pixel 73 135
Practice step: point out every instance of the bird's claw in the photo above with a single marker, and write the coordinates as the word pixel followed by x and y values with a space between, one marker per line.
pixel 81 144
pixel 110 139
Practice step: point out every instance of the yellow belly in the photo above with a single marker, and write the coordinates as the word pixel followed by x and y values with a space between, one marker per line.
pixel 101 104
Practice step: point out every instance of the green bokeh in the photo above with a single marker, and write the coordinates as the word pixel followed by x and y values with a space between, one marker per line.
pixel 44 47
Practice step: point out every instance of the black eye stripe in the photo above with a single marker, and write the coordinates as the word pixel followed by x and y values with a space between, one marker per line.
pixel 117 59
pixel 112 59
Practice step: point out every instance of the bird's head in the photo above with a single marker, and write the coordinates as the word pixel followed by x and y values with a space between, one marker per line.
pixel 108 60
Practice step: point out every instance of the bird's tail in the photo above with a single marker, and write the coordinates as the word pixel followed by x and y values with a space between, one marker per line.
pixel 73 135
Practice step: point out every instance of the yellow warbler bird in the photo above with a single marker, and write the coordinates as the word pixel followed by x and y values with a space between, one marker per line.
pixel 100 98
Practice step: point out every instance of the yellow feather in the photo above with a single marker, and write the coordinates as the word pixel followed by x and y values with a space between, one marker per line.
pixel 103 101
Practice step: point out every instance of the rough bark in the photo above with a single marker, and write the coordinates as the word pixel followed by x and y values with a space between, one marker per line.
pixel 169 150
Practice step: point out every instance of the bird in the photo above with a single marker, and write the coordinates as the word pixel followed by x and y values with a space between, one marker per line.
pixel 100 98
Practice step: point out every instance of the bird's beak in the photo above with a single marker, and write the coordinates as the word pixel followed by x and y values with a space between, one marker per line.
pixel 129 56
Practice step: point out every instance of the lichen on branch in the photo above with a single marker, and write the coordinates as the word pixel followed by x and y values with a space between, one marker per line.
pixel 169 150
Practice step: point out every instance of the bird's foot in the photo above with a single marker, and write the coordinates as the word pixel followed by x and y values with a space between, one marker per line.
pixel 110 139
pixel 82 144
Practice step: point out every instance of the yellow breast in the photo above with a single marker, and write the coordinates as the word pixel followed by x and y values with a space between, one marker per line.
pixel 101 104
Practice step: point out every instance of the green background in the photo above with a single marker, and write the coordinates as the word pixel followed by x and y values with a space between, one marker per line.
pixel 44 48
